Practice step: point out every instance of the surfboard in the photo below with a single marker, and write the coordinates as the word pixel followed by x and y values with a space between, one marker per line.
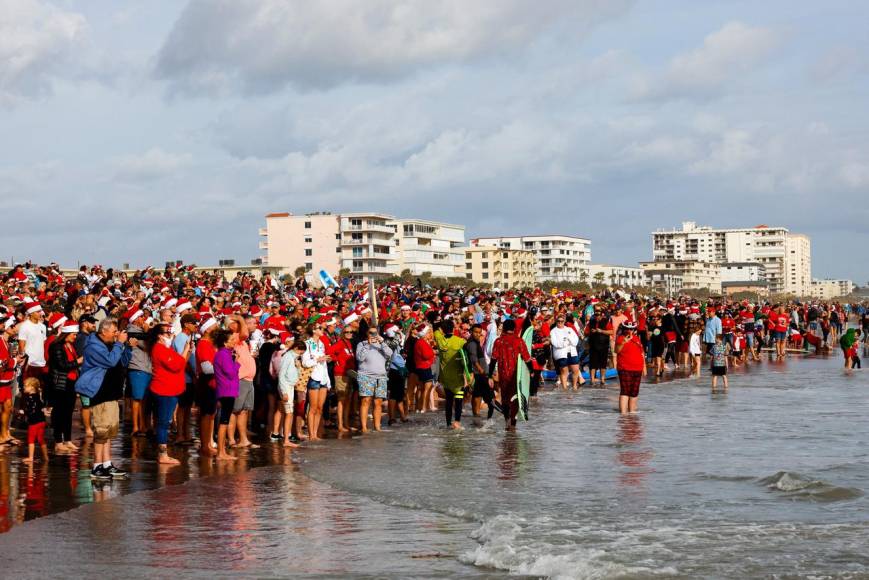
pixel 327 280
pixel 523 378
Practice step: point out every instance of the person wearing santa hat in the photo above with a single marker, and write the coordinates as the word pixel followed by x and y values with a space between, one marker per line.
pixel 423 360
pixel 206 394
pixel 64 364
pixel 31 341
pixel 139 372
pixel 8 373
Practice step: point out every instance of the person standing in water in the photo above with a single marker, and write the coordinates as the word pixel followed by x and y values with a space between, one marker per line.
pixel 719 361
pixel 506 353
pixel 631 366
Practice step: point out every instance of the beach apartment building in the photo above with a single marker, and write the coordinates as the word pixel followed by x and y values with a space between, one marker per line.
pixel 694 274
pixel 365 243
pixel 828 288
pixel 558 258
pixel 619 276
pixel 786 256
pixel 500 267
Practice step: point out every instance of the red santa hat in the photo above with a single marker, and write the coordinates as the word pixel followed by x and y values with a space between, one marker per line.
pixel 350 318
pixel 183 305
pixel 33 308
pixel 137 313
pixel 69 327
pixel 56 320
pixel 170 303
pixel 390 330
pixel 422 329
pixel 207 324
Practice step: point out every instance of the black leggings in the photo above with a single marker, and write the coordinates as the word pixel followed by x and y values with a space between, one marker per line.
pixel 61 415
pixel 226 405
pixel 453 404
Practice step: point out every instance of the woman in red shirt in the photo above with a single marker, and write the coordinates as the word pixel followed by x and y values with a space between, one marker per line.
pixel 424 357
pixel 631 365
pixel 342 354
pixel 167 382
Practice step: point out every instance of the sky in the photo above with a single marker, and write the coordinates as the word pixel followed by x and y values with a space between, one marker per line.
pixel 141 132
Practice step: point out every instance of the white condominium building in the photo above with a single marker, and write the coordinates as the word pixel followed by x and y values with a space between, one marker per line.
pixel 559 258
pixel 693 273
pixel 786 257
pixel 427 246
pixel 366 244
pixel 620 276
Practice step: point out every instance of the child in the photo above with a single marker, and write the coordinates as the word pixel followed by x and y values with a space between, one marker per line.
pixel 719 361
pixel 738 347
pixel 855 352
pixel 33 412
pixel 695 350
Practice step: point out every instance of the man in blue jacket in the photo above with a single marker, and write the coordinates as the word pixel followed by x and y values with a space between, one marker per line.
pixel 106 357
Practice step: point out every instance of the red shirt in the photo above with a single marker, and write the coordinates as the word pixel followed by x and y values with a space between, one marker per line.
pixel 781 322
pixel 7 364
pixel 727 324
pixel 342 353
pixel 423 354
pixel 205 352
pixel 167 379
pixel 630 357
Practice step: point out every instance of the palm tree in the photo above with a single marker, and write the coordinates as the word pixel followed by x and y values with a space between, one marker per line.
pixel 598 278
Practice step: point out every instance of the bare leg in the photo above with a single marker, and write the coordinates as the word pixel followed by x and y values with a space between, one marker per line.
pixel 623 404
pixel 221 444
pixel 363 413
pixel 633 404
pixel 378 411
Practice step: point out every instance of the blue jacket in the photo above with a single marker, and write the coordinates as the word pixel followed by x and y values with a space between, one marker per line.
pixel 97 360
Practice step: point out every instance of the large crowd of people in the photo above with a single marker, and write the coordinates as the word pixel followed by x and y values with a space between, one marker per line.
pixel 199 360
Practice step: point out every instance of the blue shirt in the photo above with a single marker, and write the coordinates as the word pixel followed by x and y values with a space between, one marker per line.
pixel 713 329
pixel 178 344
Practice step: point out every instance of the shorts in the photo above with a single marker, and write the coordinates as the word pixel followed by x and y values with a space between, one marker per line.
pixel 244 400
pixel 85 402
pixel 779 335
pixel 372 386
pixel 226 406
pixel 719 371
pixel 5 393
pixel 395 385
pixel 682 346
pixel 316 385
pixel 481 386
pixel 567 361
pixel 286 406
pixel 598 359
pixel 36 434
pixel 425 375
pixel 629 383
pixel 139 382
pixel 186 398
pixel 106 421
pixel 206 398
pixel 343 385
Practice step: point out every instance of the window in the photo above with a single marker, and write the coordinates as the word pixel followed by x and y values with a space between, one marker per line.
pixel 468 266
pixel 338 249
pixel 337 236
pixel 506 275
pixel 468 276
pixel 485 275
pixel 309 252
pixel 308 239
pixel 357 252
pixel 485 265
pixel 307 225
pixel 309 266
pixel 505 255
pixel 485 255
pixel 357 264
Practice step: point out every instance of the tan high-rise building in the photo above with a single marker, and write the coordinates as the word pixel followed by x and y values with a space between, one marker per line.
pixel 798 265
pixel 500 267
pixel 311 240
pixel 558 258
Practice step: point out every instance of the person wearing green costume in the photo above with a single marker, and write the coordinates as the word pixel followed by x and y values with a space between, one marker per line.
pixel 453 371
pixel 848 342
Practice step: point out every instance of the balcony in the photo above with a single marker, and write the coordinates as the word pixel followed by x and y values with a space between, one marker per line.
pixel 264 231
pixel 263 245
pixel 366 227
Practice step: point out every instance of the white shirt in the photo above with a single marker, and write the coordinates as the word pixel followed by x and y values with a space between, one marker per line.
pixel 563 341
pixel 694 345
pixel 34 335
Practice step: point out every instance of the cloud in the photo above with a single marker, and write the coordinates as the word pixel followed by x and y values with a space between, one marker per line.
pixel 259 46
pixel 733 51
pixel 37 42
pixel 152 165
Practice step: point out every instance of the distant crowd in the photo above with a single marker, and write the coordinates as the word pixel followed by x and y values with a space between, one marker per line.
pixel 199 360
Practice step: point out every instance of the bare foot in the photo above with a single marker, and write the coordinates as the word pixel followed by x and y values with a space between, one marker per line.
pixel 71 446
pixel 89 434
pixel 166 460
pixel 290 444
pixel 343 430
pixel 27 460
pixel 61 448
pixel 456 426
pixel 226 457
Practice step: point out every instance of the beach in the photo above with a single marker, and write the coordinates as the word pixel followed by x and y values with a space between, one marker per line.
pixel 767 479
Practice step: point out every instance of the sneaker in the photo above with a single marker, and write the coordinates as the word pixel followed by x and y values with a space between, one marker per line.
pixel 115 472
pixel 275 437
pixel 100 472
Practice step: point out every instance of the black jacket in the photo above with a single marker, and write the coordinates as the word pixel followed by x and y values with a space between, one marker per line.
pixel 60 366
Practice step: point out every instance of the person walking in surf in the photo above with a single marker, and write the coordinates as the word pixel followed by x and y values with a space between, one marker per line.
pixel 506 354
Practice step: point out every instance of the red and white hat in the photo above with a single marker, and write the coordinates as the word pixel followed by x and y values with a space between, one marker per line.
pixel 207 324
pixel 422 329
pixel 170 303
pixel 350 318
pixel 56 320
pixel 182 306
pixel 390 330
pixel 137 313
pixel 33 308
pixel 69 327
